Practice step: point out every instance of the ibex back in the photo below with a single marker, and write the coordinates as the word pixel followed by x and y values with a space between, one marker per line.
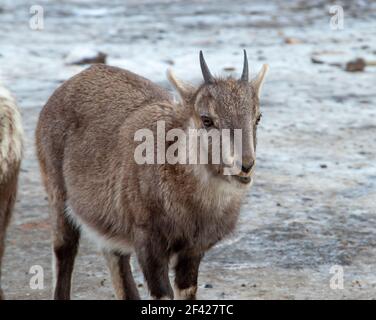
pixel 86 144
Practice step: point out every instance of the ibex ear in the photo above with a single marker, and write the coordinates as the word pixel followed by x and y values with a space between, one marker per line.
pixel 259 80
pixel 185 90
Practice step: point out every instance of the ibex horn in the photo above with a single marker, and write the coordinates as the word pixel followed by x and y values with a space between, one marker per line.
pixel 205 70
pixel 245 68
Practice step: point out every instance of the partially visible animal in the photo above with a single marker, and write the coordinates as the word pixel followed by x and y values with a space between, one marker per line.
pixel 86 145
pixel 11 137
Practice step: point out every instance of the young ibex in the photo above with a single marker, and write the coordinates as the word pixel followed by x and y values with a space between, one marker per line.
pixel 10 158
pixel 86 143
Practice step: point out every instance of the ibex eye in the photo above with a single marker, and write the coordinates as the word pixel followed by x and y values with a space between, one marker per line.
pixel 207 121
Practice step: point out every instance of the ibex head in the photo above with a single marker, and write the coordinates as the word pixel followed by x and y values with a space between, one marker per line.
pixel 227 104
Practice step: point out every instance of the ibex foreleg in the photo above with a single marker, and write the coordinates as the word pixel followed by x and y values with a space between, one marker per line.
pixel 186 274
pixel 121 275
pixel 154 262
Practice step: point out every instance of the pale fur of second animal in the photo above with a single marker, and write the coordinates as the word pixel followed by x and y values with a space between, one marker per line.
pixel 11 137
pixel 85 145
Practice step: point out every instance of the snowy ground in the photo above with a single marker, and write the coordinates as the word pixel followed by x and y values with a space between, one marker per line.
pixel 313 202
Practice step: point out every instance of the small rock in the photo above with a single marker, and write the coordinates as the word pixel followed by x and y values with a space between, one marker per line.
pixel 99 58
pixel 292 41
pixel 79 56
pixel 208 286
pixel 356 65
pixel 317 61
pixel 170 62
pixel 323 166
pixel 356 283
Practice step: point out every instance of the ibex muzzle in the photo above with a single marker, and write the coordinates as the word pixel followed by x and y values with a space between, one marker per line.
pixel 86 146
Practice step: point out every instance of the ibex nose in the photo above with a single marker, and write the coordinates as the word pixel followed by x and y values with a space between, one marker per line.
pixel 247 165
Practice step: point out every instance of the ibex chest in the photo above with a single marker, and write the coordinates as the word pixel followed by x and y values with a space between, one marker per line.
pixel 204 218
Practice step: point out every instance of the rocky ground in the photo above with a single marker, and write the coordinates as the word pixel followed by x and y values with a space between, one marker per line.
pixel 312 206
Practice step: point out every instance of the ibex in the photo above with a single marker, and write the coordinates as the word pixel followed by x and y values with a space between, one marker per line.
pixel 11 134
pixel 86 142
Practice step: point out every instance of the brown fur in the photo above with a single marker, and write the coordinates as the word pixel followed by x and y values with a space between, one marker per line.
pixel 10 158
pixel 85 144
pixel 8 190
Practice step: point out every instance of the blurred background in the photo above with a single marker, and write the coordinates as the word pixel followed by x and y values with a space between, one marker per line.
pixel 310 215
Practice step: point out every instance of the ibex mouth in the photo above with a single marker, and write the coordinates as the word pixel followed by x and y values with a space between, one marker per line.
pixel 243 179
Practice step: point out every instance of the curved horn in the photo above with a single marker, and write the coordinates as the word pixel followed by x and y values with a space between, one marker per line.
pixel 205 70
pixel 245 68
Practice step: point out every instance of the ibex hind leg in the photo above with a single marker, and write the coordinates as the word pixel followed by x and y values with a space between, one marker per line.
pixel 65 234
pixel 8 194
pixel 121 275
pixel 7 200
pixel 66 238
pixel 3 225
